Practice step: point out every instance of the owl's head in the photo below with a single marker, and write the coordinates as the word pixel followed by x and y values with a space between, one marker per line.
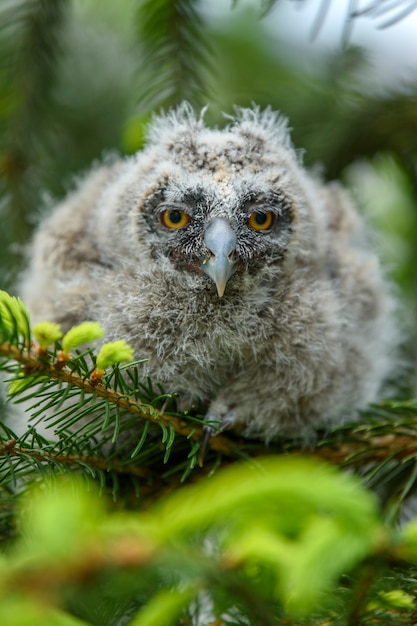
pixel 218 203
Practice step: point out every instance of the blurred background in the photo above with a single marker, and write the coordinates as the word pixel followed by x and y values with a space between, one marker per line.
pixel 80 78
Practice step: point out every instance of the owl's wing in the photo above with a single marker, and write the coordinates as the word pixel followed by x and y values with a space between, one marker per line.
pixel 59 279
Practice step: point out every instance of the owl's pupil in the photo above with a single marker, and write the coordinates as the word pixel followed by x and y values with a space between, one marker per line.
pixel 175 217
pixel 260 218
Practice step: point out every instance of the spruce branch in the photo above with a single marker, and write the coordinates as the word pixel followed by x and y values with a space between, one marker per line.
pixel 11 448
pixel 399 10
pixel 353 446
pixel 364 444
pixel 175 52
pixel 37 367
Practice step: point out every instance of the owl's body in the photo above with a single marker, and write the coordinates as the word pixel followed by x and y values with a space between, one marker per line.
pixel 293 330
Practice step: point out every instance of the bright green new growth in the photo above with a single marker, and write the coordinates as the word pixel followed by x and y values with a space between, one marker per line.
pixel 112 353
pixel 47 333
pixel 14 319
pixel 80 334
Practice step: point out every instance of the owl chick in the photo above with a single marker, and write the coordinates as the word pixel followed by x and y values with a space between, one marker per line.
pixel 244 281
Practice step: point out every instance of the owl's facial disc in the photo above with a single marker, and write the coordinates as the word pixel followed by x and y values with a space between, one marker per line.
pixel 220 239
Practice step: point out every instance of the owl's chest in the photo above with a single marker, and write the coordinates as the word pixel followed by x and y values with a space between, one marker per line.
pixel 212 340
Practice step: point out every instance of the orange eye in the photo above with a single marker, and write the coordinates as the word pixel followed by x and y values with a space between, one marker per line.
pixel 174 218
pixel 261 220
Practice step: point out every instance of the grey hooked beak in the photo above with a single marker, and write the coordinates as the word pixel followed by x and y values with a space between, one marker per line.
pixel 220 239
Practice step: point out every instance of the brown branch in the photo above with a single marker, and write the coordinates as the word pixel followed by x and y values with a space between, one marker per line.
pixel 370 448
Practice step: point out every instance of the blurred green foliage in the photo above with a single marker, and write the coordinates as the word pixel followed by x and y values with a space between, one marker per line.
pixel 279 535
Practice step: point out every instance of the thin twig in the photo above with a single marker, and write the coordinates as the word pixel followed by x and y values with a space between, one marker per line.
pixel 11 448
pixel 369 449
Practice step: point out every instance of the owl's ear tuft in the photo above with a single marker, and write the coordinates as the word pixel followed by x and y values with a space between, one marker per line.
pixel 262 129
pixel 264 125
pixel 181 121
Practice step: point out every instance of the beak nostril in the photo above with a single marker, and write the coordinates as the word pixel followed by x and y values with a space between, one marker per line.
pixel 207 257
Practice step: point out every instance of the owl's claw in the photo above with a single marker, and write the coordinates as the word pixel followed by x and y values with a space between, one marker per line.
pixel 223 422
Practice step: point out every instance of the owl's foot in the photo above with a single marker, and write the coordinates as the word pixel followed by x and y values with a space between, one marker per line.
pixel 216 422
